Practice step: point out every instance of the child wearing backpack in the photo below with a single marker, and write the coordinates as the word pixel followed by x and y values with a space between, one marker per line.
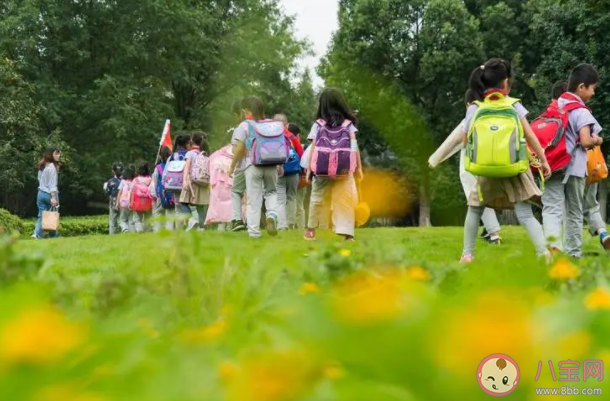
pixel 260 149
pixel 335 162
pixel 164 204
pixel 141 202
pixel 566 188
pixel 504 178
pixel 111 188
pixel 123 200
pixel 196 180
pixel 288 183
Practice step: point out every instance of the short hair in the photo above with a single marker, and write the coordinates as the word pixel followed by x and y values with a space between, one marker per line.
pixel 559 88
pixel 294 129
pixel 582 74
pixel 130 172
pixel 143 168
pixel 198 137
pixel 281 117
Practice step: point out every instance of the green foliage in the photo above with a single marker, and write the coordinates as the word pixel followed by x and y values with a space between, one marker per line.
pixel 74 226
pixel 107 81
pixel 327 321
pixel 10 223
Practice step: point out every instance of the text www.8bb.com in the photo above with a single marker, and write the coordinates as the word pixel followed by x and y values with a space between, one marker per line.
pixel 566 390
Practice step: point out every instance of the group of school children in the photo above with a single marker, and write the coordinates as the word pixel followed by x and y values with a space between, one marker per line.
pixel 263 166
pixel 501 151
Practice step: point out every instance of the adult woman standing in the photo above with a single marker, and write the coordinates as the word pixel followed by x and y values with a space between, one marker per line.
pixel 48 195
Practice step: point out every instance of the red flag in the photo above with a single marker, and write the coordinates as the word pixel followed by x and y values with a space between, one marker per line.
pixel 166 138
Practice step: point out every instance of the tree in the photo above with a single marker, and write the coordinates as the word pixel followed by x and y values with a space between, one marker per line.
pixel 107 74
pixel 408 61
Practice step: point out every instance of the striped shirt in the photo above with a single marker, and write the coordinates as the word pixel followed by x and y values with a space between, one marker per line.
pixel 47 179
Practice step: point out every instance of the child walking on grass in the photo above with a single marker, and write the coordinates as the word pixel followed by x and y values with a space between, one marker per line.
pixel 491 82
pixel 111 188
pixel 193 194
pixel 124 199
pixel 334 133
pixel 141 197
pixel 163 206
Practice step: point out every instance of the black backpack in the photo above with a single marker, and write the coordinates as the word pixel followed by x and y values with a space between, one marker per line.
pixel 112 188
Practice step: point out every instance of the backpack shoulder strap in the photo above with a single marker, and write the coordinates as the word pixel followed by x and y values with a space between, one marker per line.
pixel 574 106
pixel 321 122
pixel 346 123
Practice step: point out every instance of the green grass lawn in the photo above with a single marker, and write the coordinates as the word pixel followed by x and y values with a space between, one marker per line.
pixel 217 316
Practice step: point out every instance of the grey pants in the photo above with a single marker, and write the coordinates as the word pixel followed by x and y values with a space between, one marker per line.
pixel 287 188
pixel 338 195
pixel 139 221
pixel 113 220
pixel 164 218
pixel 261 183
pixel 490 221
pixel 301 217
pixel 237 192
pixel 556 196
pixel 526 218
pixel 592 213
pixel 126 220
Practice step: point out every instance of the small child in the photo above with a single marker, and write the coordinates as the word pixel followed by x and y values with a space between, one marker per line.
pixel 566 189
pixel 192 194
pixel 221 203
pixel 490 82
pixel 111 188
pixel 123 199
pixel 334 114
pixel 142 196
pixel 164 207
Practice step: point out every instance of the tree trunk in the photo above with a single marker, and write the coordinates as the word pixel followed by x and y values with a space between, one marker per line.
pixel 424 207
pixel 509 218
pixel 602 196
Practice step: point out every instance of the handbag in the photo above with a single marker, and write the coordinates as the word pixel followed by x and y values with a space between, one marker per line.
pixel 597 170
pixel 50 220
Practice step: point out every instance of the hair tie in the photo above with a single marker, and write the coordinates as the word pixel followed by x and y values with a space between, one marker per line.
pixel 482 66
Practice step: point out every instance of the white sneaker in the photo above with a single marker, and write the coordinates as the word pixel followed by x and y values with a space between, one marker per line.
pixel 192 224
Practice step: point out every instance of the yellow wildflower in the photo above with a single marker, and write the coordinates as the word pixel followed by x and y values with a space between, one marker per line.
pixel 345 253
pixel 495 322
pixel 41 335
pixel 227 370
pixel 564 270
pixel 309 288
pixel 274 376
pixel 334 371
pixel 418 273
pixel 598 299
pixel 206 334
pixel 148 328
pixel 365 298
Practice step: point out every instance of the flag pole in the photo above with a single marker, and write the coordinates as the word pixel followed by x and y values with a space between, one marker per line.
pixel 166 131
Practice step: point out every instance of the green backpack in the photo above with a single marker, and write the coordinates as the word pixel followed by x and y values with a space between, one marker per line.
pixel 496 145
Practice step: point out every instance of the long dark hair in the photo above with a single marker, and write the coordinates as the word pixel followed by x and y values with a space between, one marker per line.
pixel 490 75
pixel 164 154
pixel 47 157
pixel 333 108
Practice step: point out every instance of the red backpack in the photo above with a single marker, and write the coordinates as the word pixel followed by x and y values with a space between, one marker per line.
pixel 141 197
pixel 550 129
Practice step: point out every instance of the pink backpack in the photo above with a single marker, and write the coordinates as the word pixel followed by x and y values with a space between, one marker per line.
pixel 332 156
pixel 141 196
pixel 200 169
pixel 125 198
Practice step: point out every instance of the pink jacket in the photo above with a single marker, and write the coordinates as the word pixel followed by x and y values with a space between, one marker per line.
pixel 220 209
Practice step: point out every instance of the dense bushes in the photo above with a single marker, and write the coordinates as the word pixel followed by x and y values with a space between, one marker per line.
pixel 9 222
pixel 73 226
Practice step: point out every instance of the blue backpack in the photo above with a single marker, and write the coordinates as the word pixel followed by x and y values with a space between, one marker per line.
pixel 293 165
pixel 166 197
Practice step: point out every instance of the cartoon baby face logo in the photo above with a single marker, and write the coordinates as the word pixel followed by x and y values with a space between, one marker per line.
pixel 498 375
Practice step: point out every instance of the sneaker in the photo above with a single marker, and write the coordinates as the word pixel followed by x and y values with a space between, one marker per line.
pixel 192 224
pixel 604 239
pixel 495 241
pixel 237 225
pixel 349 238
pixel 466 259
pixel 484 235
pixel 34 236
pixel 310 235
pixel 272 224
